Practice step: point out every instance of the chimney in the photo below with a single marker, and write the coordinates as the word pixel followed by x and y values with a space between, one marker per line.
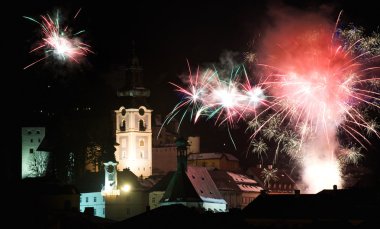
pixel 297 192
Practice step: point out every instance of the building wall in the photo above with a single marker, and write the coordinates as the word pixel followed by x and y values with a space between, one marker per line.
pixel 95 200
pixel 31 138
pixel 248 197
pixel 215 207
pixel 126 205
pixel 164 159
pixel 154 199
pixel 194 144
pixel 222 163
pixel 228 164
pixel 207 206
pixel 233 199
pixel 134 149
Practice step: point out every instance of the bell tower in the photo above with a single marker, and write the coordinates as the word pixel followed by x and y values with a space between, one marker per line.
pixel 133 128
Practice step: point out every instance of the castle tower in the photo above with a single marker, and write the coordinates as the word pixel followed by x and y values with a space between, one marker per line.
pixel 133 124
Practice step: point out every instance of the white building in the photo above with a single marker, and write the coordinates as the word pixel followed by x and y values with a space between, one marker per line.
pixel 134 139
pixel 93 200
pixel 33 162
pixel 133 124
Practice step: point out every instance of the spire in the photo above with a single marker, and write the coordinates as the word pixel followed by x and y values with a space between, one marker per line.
pixel 182 145
pixel 134 86
pixel 180 188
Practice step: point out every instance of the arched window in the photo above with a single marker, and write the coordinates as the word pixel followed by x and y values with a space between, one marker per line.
pixel 141 143
pixel 141 125
pixel 122 125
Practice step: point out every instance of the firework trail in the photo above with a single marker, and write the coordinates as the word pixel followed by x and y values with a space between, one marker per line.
pixel 224 98
pixel 314 85
pixel 320 81
pixel 58 40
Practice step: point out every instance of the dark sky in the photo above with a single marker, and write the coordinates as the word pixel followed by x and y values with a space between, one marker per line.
pixel 165 33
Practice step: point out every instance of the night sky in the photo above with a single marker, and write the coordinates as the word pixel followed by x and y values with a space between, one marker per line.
pixel 166 35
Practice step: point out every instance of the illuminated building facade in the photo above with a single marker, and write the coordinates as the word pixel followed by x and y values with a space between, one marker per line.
pixel 33 162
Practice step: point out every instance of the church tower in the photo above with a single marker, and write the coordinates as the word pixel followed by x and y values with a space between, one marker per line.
pixel 133 126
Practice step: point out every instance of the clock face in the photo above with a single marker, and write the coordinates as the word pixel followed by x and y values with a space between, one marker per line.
pixel 110 169
pixel 141 111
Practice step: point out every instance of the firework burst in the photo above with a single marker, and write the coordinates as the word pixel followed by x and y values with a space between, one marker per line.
pixel 318 83
pixel 319 93
pixel 210 95
pixel 58 41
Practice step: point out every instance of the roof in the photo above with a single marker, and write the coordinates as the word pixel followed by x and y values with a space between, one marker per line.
pixel 205 156
pixel 163 183
pixel 196 185
pixel 204 185
pixel 326 204
pixel 282 175
pixel 180 189
pixel 223 181
pixel 228 181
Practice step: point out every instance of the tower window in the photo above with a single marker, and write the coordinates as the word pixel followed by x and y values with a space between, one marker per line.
pixel 38 132
pixel 141 143
pixel 141 125
pixel 31 140
pixel 94 198
pixel 29 132
pixel 31 150
pixel 122 125
pixel 86 199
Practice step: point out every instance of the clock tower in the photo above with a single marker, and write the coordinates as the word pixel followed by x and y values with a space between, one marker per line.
pixel 133 128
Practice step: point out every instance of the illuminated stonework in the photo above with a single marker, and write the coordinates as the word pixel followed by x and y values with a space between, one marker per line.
pixel 134 138
pixel 110 182
pixel 33 162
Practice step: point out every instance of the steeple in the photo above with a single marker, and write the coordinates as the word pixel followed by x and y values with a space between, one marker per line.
pixel 134 86
pixel 182 145
pixel 180 188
